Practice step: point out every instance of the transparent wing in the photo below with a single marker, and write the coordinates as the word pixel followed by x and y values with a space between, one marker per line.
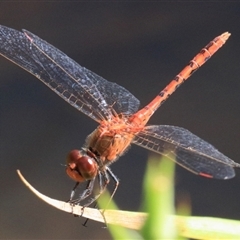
pixel 83 89
pixel 188 150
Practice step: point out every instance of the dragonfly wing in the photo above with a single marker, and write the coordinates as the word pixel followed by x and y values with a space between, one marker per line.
pixel 188 150
pixel 117 97
pixel 83 89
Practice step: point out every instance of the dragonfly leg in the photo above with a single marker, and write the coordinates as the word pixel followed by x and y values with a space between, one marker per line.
pixel 73 192
pixel 103 182
pixel 102 186
pixel 86 193
pixel 103 179
pixel 116 180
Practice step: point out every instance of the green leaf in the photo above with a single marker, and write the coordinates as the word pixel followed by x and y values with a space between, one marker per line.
pixel 159 199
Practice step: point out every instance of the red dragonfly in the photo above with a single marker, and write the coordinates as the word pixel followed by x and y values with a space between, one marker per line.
pixel 116 111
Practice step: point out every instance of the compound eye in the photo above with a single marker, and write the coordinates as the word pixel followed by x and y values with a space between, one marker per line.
pixel 87 167
pixel 81 167
pixel 73 156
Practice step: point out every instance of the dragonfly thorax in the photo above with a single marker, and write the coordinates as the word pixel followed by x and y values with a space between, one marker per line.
pixel 109 141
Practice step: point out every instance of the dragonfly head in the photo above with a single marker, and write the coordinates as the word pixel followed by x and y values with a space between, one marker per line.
pixel 80 166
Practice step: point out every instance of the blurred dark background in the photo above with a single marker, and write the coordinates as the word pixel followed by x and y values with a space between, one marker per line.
pixel 140 46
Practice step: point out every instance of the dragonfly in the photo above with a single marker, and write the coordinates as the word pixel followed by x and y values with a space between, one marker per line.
pixel 115 109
